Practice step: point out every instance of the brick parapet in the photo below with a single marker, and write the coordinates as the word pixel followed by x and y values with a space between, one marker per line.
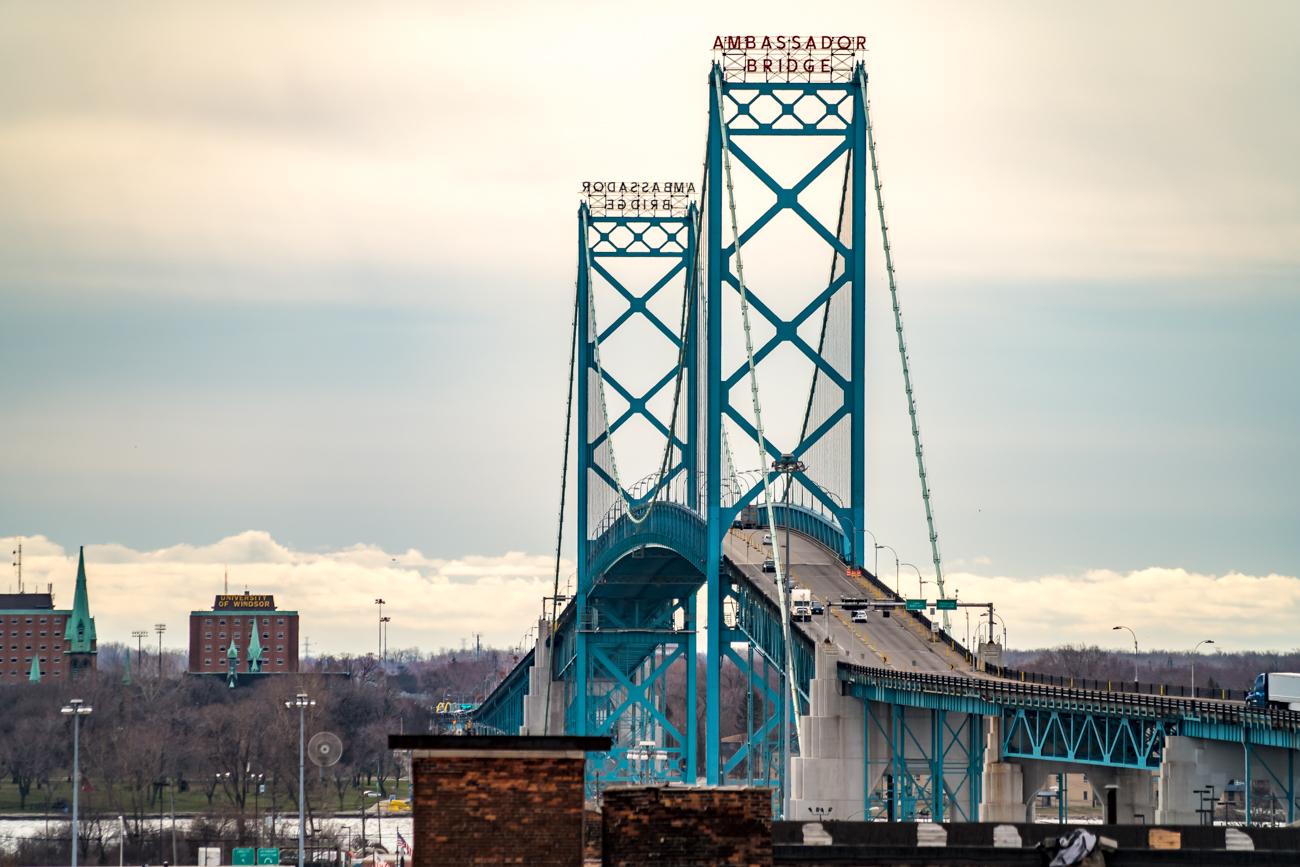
pixel 683 826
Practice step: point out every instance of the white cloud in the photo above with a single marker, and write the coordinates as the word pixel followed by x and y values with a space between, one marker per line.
pixel 1167 608
pixel 433 603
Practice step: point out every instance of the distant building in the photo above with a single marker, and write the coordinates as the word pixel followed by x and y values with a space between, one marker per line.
pixel 38 640
pixel 246 630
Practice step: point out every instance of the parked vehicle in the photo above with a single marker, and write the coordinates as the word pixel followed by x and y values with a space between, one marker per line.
pixel 801 604
pixel 769 565
pixel 1276 689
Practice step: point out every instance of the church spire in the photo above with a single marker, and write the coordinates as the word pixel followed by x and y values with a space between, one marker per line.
pixel 254 651
pixel 80 630
pixel 35 676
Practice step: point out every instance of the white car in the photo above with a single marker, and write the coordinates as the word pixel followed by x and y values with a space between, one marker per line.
pixel 767 538
pixel 859 616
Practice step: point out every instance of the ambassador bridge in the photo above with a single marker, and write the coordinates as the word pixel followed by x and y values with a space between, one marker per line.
pixel 843 719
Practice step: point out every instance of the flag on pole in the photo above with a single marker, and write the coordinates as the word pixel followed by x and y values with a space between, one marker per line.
pixel 402 844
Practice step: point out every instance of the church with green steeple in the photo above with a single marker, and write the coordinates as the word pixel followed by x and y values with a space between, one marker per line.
pixel 40 642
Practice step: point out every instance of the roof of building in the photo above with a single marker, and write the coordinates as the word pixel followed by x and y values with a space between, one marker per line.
pixel 26 601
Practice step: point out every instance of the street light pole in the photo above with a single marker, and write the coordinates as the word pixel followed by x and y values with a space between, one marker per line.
pixel 897 592
pixel 381 603
pixel 302 703
pixel 919 580
pixel 77 708
pixel 1194 649
pixel 1135 650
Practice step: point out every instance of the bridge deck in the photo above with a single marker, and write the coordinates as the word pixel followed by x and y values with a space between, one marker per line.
pixel 899 642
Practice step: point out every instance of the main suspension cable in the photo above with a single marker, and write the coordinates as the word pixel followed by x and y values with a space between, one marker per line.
pixel 902 345
pixel 564 480
pixel 758 414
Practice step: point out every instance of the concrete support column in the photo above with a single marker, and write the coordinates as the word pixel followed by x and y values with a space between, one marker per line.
pixel 535 701
pixel 1002 784
pixel 827 778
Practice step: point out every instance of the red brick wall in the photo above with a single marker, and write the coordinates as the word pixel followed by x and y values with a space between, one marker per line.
pixel 681 826
pixel 498 810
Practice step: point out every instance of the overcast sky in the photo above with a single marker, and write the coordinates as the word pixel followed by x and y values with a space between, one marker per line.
pixel 302 274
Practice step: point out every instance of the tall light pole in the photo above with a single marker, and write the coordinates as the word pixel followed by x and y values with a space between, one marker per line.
pixel 302 703
pixel 1135 650
pixel 897 592
pixel 383 624
pixel 139 635
pixel 78 709
pixel 381 603
pixel 1194 649
pixel 160 628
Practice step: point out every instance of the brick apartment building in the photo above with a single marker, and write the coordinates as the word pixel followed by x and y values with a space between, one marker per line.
pixel 240 627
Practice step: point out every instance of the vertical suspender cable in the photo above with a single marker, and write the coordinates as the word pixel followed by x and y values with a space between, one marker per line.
pixel 758 418
pixel 902 346
pixel 564 479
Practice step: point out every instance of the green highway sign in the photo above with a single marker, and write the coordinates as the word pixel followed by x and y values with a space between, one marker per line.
pixel 946 605
pixel 268 856
pixel 243 856
pixel 916 605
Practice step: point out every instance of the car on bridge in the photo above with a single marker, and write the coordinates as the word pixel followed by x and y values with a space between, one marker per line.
pixel 818 609
pixel 859 616
pixel 769 565
pixel 767 538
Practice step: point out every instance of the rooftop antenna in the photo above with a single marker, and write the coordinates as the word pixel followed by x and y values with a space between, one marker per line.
pixel 19 564
pixel 227 591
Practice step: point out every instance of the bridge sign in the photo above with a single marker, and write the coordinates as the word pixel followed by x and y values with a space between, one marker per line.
pixel 946 605
pixel 916 605
pixel 242 856
pixel 268 856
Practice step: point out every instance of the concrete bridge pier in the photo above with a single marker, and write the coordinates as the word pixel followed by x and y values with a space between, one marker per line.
pixel 827 779
pixel 535 700
pixel 1002 786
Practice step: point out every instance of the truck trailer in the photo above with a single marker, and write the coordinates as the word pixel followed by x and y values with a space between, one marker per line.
pixel 1276 689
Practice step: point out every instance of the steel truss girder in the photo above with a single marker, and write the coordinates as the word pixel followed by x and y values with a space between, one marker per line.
pixel 840 110
pixel 1095 739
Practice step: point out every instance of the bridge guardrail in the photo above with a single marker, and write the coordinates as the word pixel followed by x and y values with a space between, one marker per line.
pixel 1008 691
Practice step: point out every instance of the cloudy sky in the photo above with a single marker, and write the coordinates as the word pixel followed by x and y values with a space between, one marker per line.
pixel 287 289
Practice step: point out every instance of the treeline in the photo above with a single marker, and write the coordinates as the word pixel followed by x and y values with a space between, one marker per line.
pixel 194 734
pixel 1215 670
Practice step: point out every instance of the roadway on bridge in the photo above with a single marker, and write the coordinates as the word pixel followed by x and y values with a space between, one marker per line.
pixel 898 642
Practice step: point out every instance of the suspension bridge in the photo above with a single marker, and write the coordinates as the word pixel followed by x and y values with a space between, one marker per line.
pixel 884 719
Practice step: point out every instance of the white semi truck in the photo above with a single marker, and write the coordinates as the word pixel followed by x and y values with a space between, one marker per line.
pixel 801 604
pixel 1276 689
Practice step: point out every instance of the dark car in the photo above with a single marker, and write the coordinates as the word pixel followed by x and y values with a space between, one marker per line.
pixel 818 608
pixel 769 565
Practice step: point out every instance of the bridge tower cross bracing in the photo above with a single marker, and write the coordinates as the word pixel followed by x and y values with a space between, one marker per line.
pixel 639 544
pixel 832 436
